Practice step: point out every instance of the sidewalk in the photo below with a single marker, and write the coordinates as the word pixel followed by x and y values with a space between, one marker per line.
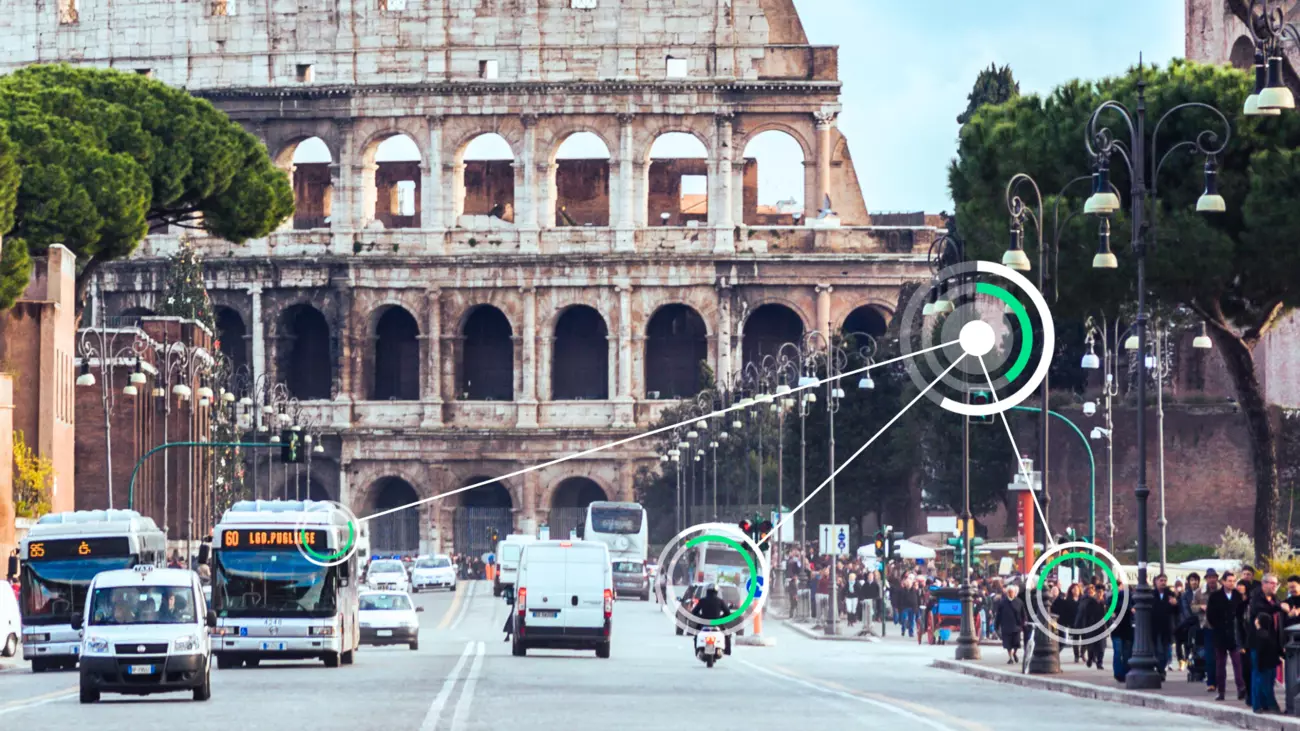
pixel 1175 696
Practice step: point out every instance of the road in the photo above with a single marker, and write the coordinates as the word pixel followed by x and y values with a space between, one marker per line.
pixel 463 678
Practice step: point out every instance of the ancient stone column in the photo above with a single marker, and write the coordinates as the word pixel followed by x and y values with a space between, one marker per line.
pixel 527 401
pixel 824 309
pixel 624 209
pixel 623 407
pixel 825 120
pixel 432 188
pixel 724 330
pixel 724 233
pixel 430 378
pixel 258 365
pixel 529 204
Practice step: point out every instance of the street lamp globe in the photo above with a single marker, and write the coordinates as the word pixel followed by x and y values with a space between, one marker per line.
pixel 181 390
pixel 737 425
pixel 810 398
pixel 137 376
pixel 692 434
pixel 806 381
pixel 1251 107
pixel 1089 408
pixel 1275 94
pixel 1104 258
pixel 1014 257
pixel 246 401
pixel 1090 361
pixel 228 397
pixel 159 392
pixel 130 390
pixel 275 439
pixel 86 378
pixel 318 449
pixel 205 393
pixel 782 389
pixel 1131 342
pixel 1097 433
pixel 1202 341
pixel 1103 200
pixel 1210 200
pixel 866 383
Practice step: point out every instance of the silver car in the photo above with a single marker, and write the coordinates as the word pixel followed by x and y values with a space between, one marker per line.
pixel 631 577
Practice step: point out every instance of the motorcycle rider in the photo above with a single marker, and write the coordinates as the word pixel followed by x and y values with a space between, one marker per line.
pixel 711 607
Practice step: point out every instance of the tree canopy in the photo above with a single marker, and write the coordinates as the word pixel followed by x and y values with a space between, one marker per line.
pixel 994 85
pixel 1238 270
pixel 105 154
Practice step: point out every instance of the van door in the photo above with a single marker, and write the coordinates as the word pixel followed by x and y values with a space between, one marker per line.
pixel 543 579
pixel 585 584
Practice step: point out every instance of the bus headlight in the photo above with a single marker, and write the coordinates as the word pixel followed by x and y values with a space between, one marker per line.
pixel 321 631
pixel 95 646
pixel 189 643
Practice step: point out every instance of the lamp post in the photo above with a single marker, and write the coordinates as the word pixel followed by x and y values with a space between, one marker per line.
pixel 1109 336
pixel 1270 30
pixel 1144 166
pixel 102 344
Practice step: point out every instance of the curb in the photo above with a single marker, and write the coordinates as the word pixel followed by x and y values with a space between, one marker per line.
pixel 815 635
pixel 1214 712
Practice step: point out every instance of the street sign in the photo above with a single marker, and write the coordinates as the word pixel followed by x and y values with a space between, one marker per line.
pixel 941 524
pixel 834 539
pixel 785 534
pixel 749 584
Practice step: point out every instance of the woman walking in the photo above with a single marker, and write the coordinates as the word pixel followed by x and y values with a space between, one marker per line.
pixel 1010 621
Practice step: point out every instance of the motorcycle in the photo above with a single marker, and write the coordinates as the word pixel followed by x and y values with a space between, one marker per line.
pixel 709 644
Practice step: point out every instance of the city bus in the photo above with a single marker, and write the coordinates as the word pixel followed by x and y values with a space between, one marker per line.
pixel 272 602
pixel 621 526
pixel 60 556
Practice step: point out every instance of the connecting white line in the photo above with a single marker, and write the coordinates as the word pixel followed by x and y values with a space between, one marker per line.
pixel 863 448
pixel 1050 541
pixel 735 407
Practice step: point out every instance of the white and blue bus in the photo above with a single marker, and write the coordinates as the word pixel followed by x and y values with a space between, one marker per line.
pixel 271 601
pixel 622 527
pixel 60 556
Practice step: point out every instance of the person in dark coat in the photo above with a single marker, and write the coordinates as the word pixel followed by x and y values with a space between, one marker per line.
pixel 1011 619
pixel 12 569
pixel 1066 609
pixel 1265 655
pixel 1242 628
pixel 1090 612
pixel 1121 640
pixel 1220 615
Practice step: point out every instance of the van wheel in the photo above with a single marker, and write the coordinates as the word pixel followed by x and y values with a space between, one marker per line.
pixel 39 665
pixel 518 649
pixel 204 691
pixel 11 645
pixel 496 590
pixel 331 659
pixel 415 645
pixel 347 658
pixel 602 650
pixel 89 695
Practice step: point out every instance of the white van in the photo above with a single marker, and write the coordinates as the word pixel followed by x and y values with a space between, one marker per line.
pixel 10 621
pixel 145 630
pixel 508 553
pixel 564 597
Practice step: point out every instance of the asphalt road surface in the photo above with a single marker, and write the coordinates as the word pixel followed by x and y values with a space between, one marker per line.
pixel 463 678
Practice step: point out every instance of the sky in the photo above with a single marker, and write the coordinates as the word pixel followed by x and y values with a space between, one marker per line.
pixel 907 68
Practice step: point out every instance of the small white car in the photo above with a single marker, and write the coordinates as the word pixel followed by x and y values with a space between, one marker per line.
pixel 387 574
pixel 389 618
pixel 10 621
pixel 145 630
pixel 433 573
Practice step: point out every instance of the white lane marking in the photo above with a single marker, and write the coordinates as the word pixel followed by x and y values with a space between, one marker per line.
pixel 915 718
pixel 464 606
pixel 467 692
pixel 41 700
pixel 435 709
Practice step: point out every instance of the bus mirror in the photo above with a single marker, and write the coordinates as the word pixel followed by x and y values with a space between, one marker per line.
pixel 76 622
pixel 205 553
pixel 345 570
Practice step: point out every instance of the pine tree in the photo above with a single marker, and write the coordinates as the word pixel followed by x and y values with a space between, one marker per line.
pixel 993 86
pixel 184 294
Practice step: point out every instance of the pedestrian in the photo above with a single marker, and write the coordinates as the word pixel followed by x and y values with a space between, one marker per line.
pixel 12 570
pixel 509 593
pixel 1204 637
pixel 1011 621
pixel 1188 622
pixel 1121 640
pixel 1265 656
pixel 1090 613
pixel 1163 612
pixel 1066 609
pixel 1221 618
pixel 851 599
pixel 1243 629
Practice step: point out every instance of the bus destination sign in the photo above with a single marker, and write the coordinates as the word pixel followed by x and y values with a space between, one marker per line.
pixel 259 539
pixel 78 548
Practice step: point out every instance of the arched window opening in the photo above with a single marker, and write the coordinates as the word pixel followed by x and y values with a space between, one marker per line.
pixel 568 516
pixel 678 181
pixel 488 362
pixel 1242 55
pixel 307 361
pixel 231 335
pixel 581 369
pixel 773 180
pixel 582 181
pixel 313 192
pixel 397 183
pixel 676 344
pixel 396 533
pixel 397 357
pixel 866 319
pixel 483 510
pixel 767 329
pixel 488 181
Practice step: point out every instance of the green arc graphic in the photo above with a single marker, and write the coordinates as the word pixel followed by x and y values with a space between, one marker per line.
pixel 1022 316
pixel 749 562
pixel 1114 595
pixel 352 537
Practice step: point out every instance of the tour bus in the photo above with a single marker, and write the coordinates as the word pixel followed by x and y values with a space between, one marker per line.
pixel 61 554
pixel 621 526
pixel 272 601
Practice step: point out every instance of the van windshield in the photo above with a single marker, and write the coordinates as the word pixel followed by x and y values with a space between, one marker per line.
pixel 433 563
pixel 122 605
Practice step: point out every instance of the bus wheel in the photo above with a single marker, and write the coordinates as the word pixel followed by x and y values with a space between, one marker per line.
pixel 331 659
pixel 89 695
pixel 348 657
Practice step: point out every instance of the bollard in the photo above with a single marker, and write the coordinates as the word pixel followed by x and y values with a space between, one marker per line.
pixel 1292 672
pixel 1046 659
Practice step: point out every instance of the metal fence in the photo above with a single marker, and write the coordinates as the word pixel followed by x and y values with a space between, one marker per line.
pixel 396 533
pixel 474 528
pixel 564 521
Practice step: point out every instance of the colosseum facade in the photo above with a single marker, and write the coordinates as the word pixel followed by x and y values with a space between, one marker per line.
pixel 452 317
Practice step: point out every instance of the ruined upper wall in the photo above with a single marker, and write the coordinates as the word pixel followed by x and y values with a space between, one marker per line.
pixel 201 44
pixel 1215 35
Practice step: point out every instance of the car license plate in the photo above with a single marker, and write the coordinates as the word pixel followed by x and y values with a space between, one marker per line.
pixel 385 633
pixel 272 645
pixel 140 670
pixel 545 612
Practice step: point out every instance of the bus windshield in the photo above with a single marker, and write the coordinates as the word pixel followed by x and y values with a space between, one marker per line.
pixel 52 591
pixel 272 584
pixel 622 521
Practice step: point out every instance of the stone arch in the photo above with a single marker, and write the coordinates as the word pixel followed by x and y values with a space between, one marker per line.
pixel 798 134
pixel 869 319
pixel 773 186
pixel 568 507
pixel 307 358
pixel 308 160
pixel 767 328
pixel 391 162
pixel 676 341
pixel 485 179
pixel 394 366
pixel 580 361
pixel 578 184
pixel 397 532
pixel 481 511
pixel 487 361
pixel 231 335
pixel 677 179
pixel 1242 55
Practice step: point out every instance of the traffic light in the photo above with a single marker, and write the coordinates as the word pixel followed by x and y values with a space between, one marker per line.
pixel 880 544
pixel 763 534
pixel 958 544
pixel 494 536
pixel 746 528
pixel 291 447
pixel 981 398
